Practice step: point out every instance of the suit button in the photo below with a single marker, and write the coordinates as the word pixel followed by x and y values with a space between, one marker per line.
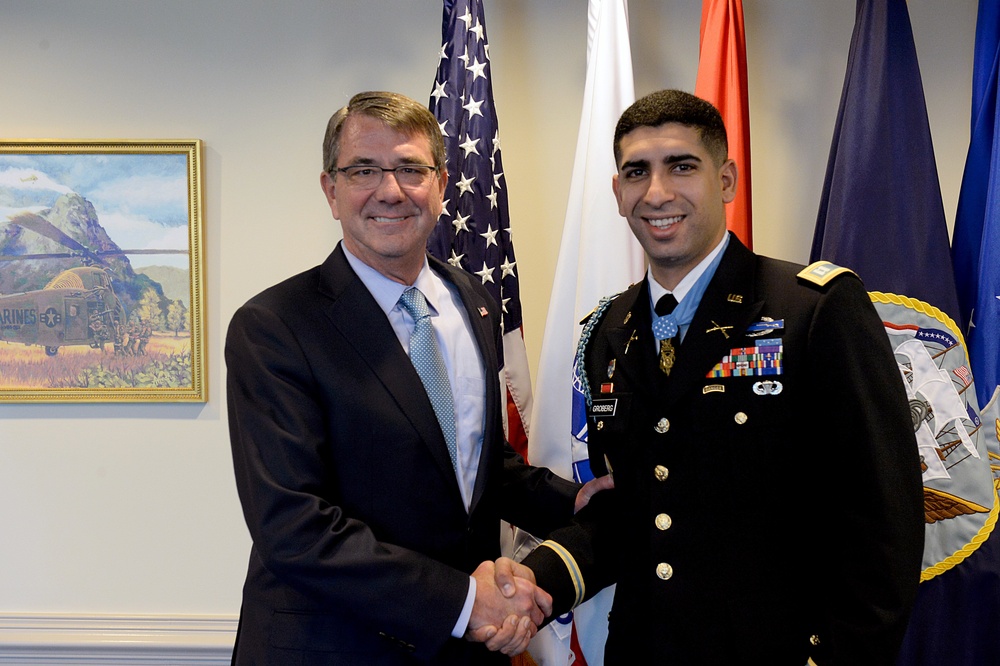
pixel 740 418
pixel 661 473
pixel 600 425
pixel 664 571
pixel 662 426
pixel 814 640
pixel 663 522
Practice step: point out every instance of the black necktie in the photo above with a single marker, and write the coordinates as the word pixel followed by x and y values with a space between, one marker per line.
pixel 668 351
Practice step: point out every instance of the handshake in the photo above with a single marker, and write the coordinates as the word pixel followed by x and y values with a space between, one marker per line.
pixel 509 607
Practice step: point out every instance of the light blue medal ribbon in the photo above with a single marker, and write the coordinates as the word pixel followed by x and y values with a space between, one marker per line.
pixel 667 326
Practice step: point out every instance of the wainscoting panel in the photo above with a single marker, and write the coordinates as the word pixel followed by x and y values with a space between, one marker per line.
pixel 142 640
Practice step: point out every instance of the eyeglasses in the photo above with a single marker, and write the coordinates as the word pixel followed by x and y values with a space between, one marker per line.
pixel 368 177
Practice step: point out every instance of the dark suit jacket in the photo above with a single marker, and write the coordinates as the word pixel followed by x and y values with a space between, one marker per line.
pixel 362 546
pixel 751 525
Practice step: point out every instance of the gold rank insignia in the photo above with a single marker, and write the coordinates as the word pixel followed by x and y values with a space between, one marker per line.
pixel 821 272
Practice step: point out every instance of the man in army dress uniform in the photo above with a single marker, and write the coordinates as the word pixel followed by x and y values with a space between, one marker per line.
pixel 768 504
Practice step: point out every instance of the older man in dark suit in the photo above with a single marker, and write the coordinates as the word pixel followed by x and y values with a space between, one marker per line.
pixel 373 483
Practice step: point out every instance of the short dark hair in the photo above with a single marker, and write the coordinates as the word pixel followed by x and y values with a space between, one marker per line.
pixel 397 111
pixel 676 106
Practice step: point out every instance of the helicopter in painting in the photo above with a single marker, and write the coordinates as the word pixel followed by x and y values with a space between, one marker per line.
pixel 78 306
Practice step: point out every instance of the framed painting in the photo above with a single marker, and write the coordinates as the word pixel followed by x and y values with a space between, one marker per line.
pixel 101 273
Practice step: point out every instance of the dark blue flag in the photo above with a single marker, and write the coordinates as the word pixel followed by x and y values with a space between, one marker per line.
pixel 473 231
pixel 881 212
pixel 976 244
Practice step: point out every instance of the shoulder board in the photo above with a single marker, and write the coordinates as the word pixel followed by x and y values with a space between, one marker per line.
pixel 589 315
pixel 602 306
pixel 822 272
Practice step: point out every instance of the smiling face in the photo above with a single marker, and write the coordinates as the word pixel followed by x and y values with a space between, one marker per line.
pixel 673 195
pixel 386 227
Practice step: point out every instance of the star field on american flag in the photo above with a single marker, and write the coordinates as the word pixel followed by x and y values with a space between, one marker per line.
pixel 473 231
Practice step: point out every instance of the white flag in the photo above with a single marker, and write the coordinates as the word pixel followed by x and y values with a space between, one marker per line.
pixel 598 257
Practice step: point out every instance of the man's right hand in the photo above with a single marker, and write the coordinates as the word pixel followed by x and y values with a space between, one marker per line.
pixel 508 606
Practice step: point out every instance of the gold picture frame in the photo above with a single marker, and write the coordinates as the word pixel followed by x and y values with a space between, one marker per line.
pixel 102 295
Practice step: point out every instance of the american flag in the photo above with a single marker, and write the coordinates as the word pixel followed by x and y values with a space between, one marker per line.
pixel 473 232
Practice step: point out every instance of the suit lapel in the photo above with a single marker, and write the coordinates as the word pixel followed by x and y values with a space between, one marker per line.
pixel 358 318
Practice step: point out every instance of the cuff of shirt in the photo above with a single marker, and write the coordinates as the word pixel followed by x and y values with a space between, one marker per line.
pixel 463 620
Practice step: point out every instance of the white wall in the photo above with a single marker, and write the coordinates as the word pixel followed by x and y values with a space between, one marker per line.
pixel 131 509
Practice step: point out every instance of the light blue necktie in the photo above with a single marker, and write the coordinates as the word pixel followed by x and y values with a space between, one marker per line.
pixel 426 358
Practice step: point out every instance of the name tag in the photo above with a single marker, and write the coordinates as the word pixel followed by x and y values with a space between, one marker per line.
pixel 604 407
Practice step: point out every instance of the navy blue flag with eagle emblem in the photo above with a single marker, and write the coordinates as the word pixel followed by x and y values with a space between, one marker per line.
pixel 888 224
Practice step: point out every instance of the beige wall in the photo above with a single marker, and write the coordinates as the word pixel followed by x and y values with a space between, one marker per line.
pixel 132 508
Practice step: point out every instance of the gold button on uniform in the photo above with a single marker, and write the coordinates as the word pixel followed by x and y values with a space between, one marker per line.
pixel 663 522
pixel 662 426
pixel 740 418
pixel 664 571
pixel 814 640
pixel 661 473
pixel 600 425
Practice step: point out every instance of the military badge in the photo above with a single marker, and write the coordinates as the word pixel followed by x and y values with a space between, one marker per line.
pixel 765 326
pixel 768 387
pixel 762 359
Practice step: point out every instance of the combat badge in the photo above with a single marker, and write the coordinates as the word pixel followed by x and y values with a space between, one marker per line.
pixel 765 326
